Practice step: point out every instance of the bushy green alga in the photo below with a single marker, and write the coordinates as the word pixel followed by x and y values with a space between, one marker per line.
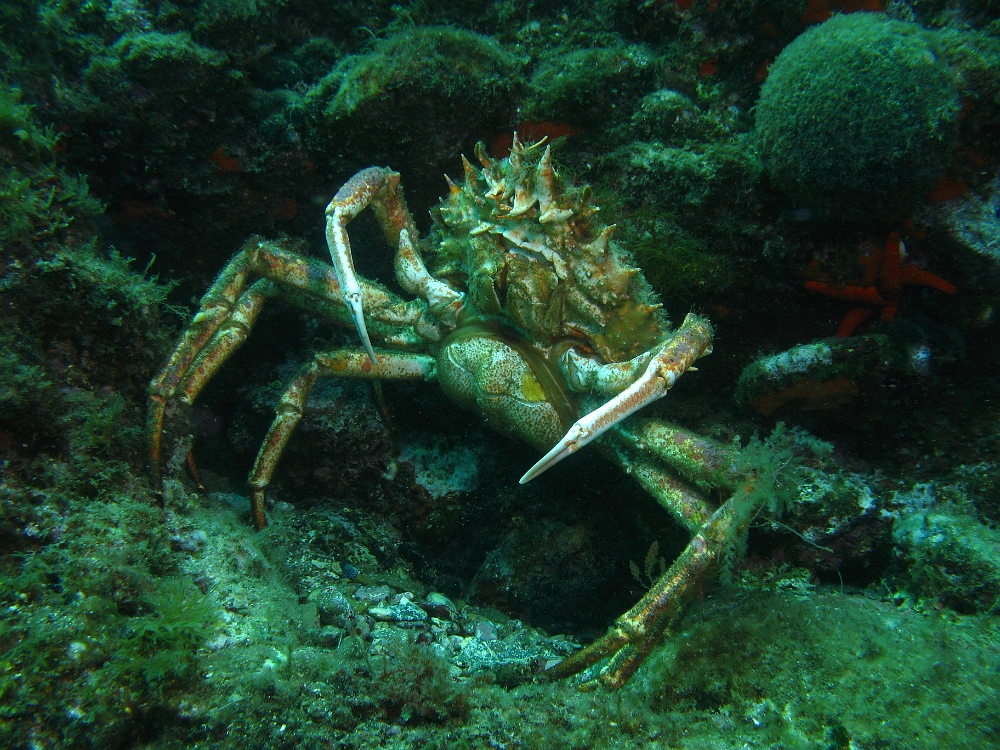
pixel 858 115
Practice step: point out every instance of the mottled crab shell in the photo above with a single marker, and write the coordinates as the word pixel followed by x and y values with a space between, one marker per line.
pixel 529 249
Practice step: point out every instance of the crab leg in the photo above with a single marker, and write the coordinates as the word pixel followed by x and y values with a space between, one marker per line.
pixel 652 451
pixel 379 188
pixel 231 336
pixel 343 363
pixel 692 340
pixel 684 502
pixel 215 308
pixel 444 302
pixel 706 463
pixel 635 633
pixel 229 309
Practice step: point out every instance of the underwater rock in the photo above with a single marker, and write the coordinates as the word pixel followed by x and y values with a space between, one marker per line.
pixel 952 557
pixel 403 612
pixel 543 573
pixel 442 466
pixel 510 663
pixel 333 607
pixel 582 86
pixel 414 99
pixel 174 62
pixel 842 532
pixel 687 179
pixel 344 447
pixel 830 671
pixel 819 376
pixel 668 116
pixel 373 594
pixel 972 221
pixel 858 115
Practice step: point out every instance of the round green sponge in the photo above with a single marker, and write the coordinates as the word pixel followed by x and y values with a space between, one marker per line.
pixel 858 117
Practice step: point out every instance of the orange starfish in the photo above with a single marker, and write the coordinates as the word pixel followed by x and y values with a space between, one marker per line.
pixel 884 288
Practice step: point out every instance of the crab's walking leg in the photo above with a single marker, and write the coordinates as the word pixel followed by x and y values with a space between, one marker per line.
pixel 635 633
pixel 229 309
pixel 231 336
pixel 684 502
pixel 343 363
pixel 444 302
pixel 691 341
pixel 216 306
pixel 655 453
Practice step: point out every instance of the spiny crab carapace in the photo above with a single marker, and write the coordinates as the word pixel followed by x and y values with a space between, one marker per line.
pixel 527 313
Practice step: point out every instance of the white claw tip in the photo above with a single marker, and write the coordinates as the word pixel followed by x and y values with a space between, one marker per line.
pixel 568 445
pixel 354 303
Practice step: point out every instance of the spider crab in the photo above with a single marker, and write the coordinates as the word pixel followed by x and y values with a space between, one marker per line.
pixel 531 318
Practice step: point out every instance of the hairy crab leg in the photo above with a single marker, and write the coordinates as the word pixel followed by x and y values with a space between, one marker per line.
pixel 216 306
pixel 632 637
pixel 652 452
pixel 444 302
pixel 342 363
pixel 691 341
pixel 707 463
pixel 684 502
pixel 232 334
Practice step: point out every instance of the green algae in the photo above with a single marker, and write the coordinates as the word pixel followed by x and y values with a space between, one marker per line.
pixel 791 670
pixel 38 198
pixel 583 85
pixel 764 665
pixel 859 115
pixel 154 58
pixel 951 557
pixel 371 98
pixel 109 628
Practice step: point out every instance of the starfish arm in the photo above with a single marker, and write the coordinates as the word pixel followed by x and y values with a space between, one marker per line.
pixel 852 319
pixel 890 281
pixel 866 294
pixel 919 277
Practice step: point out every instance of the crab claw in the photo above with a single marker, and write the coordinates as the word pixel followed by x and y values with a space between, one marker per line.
pixel 692 340
pixel 353 300
pixel 349 201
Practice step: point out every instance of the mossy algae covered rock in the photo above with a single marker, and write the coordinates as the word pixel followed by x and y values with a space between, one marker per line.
pixel 417 96
pixel 157 59
pixel 858 115
pixel 584 86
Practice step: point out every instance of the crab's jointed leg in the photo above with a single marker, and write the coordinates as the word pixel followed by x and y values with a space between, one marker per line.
pixel 632 637
pixel 691 341
pixel 685 501
pixel 229 309
pixel 343 363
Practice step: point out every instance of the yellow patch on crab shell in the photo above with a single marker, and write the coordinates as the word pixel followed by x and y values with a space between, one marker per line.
pixel 531 389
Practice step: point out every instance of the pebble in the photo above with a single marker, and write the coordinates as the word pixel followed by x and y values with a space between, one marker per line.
pixel 404 611
pixel 373 593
